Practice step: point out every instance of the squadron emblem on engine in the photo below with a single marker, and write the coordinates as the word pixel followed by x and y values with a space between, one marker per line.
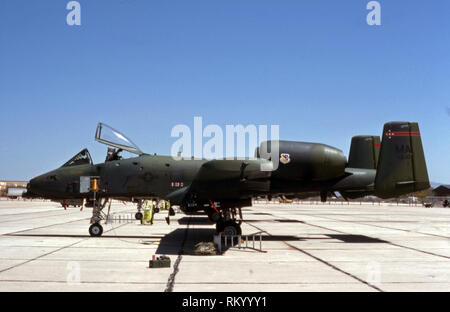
pixel 285 158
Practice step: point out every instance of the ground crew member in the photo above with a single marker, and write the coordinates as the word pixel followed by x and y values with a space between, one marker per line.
pixel 148 212
pixel 145 210
pixel 153 205
pixel 169 212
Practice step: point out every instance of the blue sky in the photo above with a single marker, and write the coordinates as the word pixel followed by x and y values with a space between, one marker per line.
pixel 313 67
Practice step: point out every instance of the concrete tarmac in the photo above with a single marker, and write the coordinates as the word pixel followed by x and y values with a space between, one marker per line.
pixel 306 247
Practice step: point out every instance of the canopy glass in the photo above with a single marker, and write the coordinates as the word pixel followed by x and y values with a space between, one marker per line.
pixel 111 137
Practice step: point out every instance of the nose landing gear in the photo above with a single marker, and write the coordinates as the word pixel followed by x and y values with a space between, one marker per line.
pixel 138 216
pixel 96 230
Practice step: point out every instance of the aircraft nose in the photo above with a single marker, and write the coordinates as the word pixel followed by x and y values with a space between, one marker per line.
pixel 32 185
pixel 35 186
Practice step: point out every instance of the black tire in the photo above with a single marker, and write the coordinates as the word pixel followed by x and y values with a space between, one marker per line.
pixel 229 227
pixel 138 216
pixel 171 212
pixel 96 230
pixel 213 216
pixel 156 210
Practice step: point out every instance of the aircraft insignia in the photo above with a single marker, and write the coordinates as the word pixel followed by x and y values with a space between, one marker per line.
pixel 285 158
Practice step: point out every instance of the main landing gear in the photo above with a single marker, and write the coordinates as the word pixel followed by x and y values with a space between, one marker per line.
pixel 229 227
pixel 225 219
pixel 139 214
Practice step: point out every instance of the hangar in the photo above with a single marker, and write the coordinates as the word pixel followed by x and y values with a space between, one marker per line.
pixel 442 191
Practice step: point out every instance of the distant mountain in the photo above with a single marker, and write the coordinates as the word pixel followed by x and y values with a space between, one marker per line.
pixel 436 184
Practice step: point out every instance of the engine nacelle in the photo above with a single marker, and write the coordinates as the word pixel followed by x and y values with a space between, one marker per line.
pixel 304 161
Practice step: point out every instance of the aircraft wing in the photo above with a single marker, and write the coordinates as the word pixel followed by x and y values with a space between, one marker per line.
pixel 178 196
pixel 226 179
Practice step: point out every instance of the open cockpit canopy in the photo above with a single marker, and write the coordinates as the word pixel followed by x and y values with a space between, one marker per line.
pixel 111 137
pixel 82 158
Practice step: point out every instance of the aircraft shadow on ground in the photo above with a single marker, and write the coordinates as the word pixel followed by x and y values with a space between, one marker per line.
pixel 354 238
pixel 83 236
pixel 183 241
pixel 195 221
pixel 205 221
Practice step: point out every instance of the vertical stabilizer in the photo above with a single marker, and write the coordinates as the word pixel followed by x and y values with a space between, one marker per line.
pixel 364 152
pixel 401 165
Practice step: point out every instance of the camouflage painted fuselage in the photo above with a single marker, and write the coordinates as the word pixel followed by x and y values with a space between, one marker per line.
pixel 303 168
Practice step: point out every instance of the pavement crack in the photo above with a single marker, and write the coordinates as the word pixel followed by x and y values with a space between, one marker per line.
pixel 323 261
pixel 171 280
pixel 385 241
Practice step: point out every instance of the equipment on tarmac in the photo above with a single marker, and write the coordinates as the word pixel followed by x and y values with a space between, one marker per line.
pixel 160 262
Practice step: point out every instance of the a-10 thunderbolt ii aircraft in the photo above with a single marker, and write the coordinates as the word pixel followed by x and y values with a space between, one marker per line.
pixel 220 188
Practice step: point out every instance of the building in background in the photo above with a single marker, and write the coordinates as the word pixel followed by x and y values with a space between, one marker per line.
pixel 442 191
pixel 16 186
